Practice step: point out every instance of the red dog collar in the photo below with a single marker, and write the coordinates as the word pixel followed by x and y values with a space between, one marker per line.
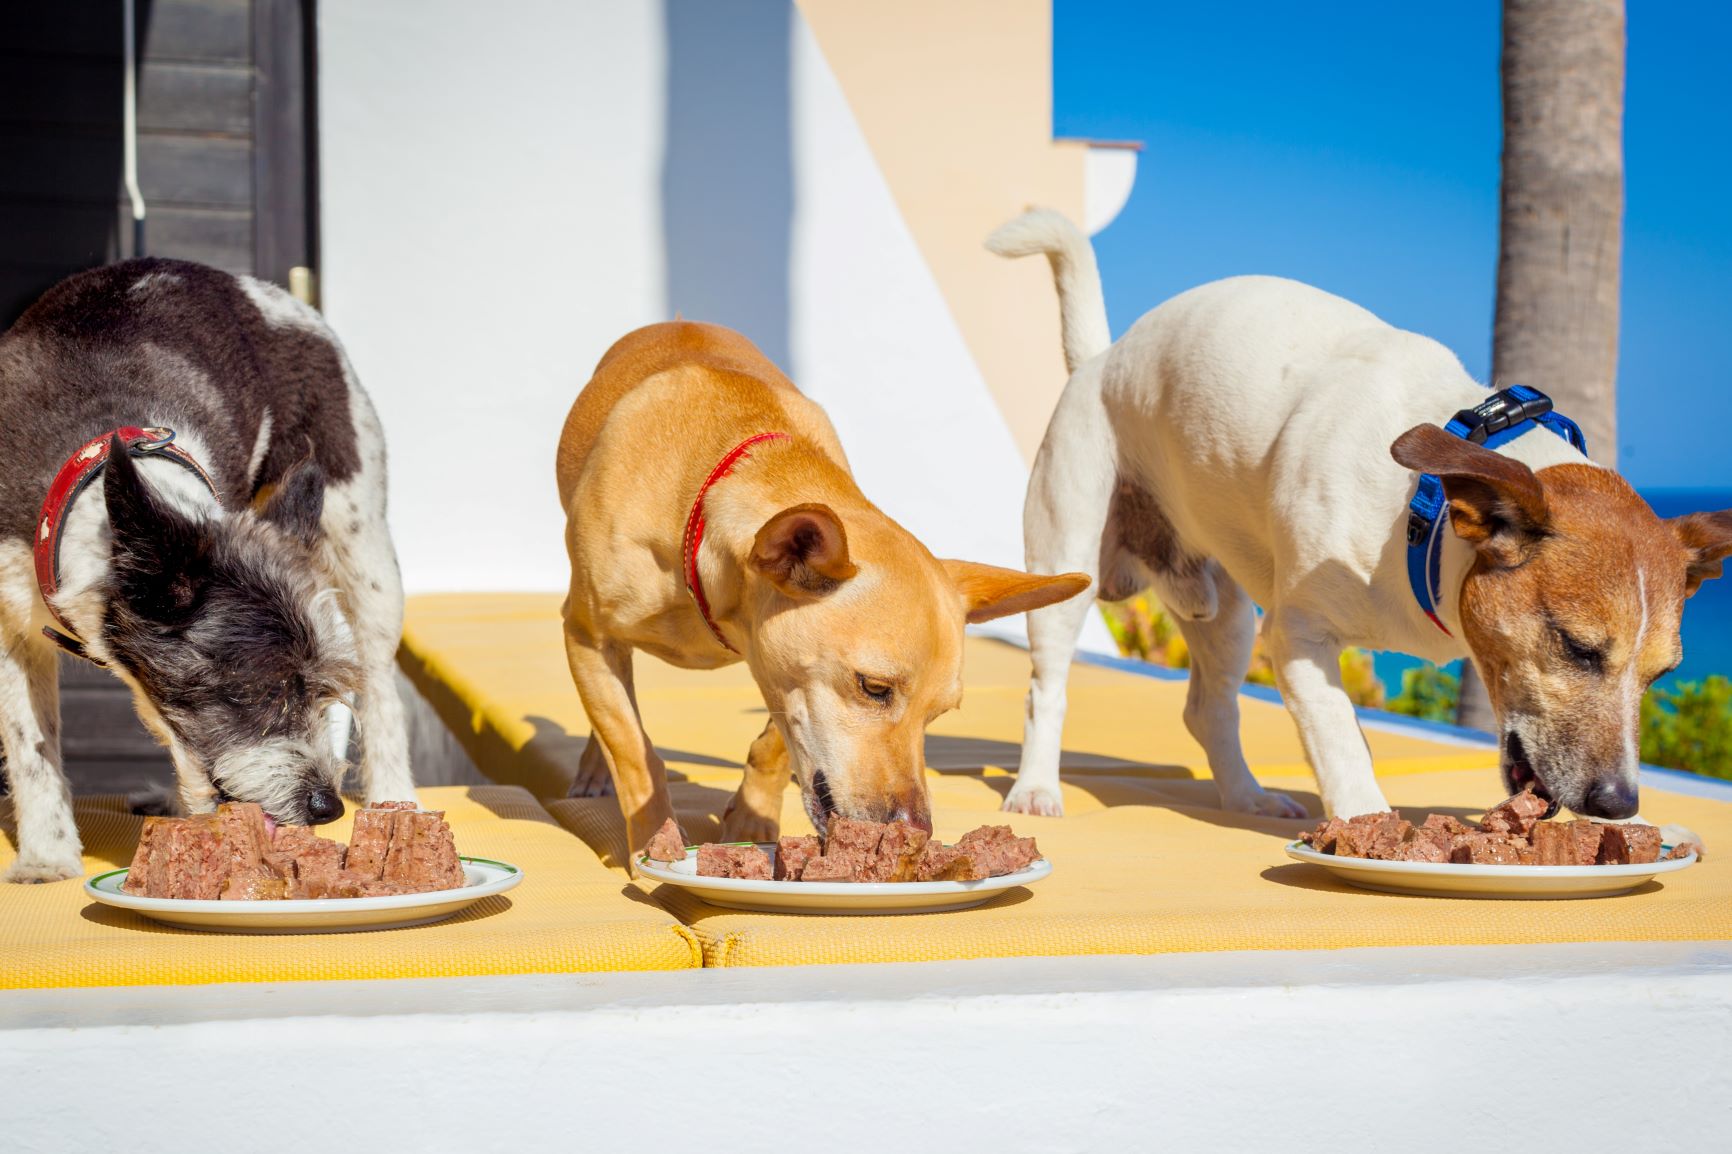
pixel 74 476
pixel 695 530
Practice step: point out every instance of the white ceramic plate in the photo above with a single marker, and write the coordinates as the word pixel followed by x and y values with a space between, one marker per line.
pixel 1448 880
pixel 312 915
pixel 835 897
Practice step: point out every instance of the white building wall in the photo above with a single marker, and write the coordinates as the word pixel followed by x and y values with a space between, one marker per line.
pixel 497 194
pixel 491 221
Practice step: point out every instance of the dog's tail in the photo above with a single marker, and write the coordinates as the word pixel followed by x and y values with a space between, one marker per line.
pixel 1081 307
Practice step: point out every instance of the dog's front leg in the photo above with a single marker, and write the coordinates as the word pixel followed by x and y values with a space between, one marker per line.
pixel 48 845
pixel 755 813
pixel 1307 661
pixel 357 548
pixel 602 673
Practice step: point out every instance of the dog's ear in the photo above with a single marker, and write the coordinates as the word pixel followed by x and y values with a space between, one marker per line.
pixel 298 501
pixel 1708 538
pixel 158 555
pixel 1496 504
pixel 803 550
pixel 988 591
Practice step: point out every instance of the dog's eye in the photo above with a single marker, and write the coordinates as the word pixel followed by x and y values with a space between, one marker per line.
pixel 878 690
pixel 1587 658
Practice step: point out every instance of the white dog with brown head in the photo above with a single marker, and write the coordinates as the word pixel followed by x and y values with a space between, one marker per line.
pixel 1258 440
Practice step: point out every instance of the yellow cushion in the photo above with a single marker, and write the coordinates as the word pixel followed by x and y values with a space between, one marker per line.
pixel 569 915
pixel 1143 862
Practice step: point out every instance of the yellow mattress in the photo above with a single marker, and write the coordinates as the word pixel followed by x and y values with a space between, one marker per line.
pixel 1142 863
pixel 570 914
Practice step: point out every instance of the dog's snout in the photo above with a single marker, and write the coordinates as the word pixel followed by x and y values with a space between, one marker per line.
pixel 1610 799
pixel 323 806
pixel 917 816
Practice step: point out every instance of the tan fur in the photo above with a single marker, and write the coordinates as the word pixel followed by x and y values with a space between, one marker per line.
pixel 823 595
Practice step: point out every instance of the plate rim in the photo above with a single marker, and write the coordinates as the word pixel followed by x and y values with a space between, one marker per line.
pixel 658 871
pixel 269 907
pixel 1299 851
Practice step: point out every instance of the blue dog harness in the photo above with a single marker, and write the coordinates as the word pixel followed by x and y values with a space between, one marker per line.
pixel 1497 420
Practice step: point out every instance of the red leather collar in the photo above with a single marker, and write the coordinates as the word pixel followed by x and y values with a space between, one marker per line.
pixel 695 530
pixel 73 478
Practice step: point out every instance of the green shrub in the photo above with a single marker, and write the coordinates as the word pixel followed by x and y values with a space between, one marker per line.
pixel 1690 727
pixel 1427 692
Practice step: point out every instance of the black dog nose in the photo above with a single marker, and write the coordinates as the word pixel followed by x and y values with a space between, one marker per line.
pixel 1614 799
pixel 323 806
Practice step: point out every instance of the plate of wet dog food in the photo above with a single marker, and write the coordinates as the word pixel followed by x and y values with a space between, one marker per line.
pixel 857 867
pixel 237 871
pixel 1513 852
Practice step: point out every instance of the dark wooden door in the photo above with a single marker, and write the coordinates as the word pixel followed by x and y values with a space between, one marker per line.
pixel 226 152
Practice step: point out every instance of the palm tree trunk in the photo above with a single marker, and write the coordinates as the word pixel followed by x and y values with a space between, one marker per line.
pixel 1561 225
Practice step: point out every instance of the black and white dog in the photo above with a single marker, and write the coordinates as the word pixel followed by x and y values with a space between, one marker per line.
pixel 193 494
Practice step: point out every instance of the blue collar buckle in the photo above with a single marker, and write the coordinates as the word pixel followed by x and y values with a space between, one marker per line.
pixel 1497 420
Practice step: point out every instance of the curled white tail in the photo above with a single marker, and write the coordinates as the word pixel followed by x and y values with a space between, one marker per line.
pixel 1081 307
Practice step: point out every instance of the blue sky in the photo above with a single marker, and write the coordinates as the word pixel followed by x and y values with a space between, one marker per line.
pixel 1354 145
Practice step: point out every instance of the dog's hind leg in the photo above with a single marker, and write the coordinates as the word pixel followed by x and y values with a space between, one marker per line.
pixel 1220 650
pixel 1307 662
pixel 1069 492
pixel 755 813
pixel 602 673
pixel 47 837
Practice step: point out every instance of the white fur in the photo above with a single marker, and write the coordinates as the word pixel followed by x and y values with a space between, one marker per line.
pixel 282 308
pixel 358 550
pixel 261 446
pixel 1258 413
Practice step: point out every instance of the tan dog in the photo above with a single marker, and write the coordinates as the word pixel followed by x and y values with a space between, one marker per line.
pixel 695 477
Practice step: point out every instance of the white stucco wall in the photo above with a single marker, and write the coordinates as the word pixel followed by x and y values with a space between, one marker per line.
pixel 490 222
pixel 493 217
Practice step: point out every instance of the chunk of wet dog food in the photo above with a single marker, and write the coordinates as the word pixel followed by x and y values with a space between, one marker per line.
pixel 792 854
pixel 310 866
pixel 1322 839
pixel 1482 847
pixel 1517 814
pixel 370 841
pixel 839 865
pixel 232 854
pixel 1629 844
pixel 668 845
pixel 1448 824
pixel 746 862
pixel 1370 835
pixel 948 863
pixel 860 836
pixel 1682 850
pixel 1566 843
pixel 997 849
pixel 1425 843
pixel 898 855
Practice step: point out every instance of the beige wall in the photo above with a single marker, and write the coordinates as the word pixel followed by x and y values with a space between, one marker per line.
pixel 955 100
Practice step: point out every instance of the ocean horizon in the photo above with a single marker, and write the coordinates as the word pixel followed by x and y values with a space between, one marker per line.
pixel 1707 631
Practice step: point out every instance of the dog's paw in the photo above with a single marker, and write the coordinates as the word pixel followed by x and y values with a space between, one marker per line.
pixel 1034 799
pixel 27 871
pixel 1265 803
